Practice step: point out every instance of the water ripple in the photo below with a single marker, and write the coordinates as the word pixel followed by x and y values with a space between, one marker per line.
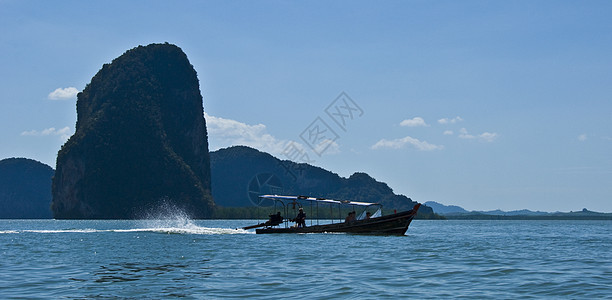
pixel 210 259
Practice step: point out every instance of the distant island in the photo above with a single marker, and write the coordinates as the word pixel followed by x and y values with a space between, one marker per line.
pixel 453 212
pixel 25 189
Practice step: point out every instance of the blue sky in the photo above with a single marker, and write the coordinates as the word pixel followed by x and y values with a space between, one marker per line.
pixel 482 104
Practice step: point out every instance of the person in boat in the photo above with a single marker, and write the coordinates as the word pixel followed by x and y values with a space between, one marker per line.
pixel 350 218
pixel 275 219
pixel 300 219
pixel 368 215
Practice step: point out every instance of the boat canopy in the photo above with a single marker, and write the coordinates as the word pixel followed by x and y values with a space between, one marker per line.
pixel 323 200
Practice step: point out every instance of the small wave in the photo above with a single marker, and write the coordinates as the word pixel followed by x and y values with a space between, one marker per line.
pixel 87 230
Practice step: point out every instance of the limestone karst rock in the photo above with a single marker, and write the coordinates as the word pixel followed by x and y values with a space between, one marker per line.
pixel 140 141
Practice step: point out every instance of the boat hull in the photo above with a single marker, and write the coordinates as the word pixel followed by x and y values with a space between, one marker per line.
pixel 395 224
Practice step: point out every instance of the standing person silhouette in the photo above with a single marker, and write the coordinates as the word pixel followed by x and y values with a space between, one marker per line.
pixel 300 219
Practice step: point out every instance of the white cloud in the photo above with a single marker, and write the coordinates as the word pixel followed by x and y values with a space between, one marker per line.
pixel 463 134
pixel 448 132
pixel 582 137
pixel 488 136
pixel 414 122
pixel 63 93
pixel 63 133
pixel 400 143
pixel 450 121
pixel 485 136
pixel 226 132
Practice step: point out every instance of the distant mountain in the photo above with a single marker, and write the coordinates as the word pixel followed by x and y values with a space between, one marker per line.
pixel 240 174
pixel 25 189
pixel 444 209
pixel 140 141
pixel 456 212
pixel 522 212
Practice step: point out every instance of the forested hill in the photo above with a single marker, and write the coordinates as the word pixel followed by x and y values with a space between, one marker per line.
pixel 25 189
pixel 240 174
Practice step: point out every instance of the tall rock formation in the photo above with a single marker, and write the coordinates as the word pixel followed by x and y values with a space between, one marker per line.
pixel 25 189
pixel 140 141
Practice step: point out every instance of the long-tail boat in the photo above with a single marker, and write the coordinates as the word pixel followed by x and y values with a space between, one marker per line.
pixel 366 223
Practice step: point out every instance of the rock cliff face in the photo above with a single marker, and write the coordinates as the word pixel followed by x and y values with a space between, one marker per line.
pixel 25 189
pixel 140 141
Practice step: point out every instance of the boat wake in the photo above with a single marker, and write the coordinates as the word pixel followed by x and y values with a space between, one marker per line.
pixel 169 219
pixel 193 230
pixel 165 218
pixel 175 225
pixel 163 230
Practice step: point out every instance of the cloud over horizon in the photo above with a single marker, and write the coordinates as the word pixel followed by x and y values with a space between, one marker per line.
pixel 414 122
pixel 63 93
pixel 224 133
pixel 408 140
pixel 485 136
pixel 450 121
pixel 63 133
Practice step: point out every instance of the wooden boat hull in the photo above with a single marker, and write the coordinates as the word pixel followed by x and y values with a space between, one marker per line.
pixel 395 224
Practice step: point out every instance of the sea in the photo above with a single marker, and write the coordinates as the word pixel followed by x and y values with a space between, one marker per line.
pixel 210 259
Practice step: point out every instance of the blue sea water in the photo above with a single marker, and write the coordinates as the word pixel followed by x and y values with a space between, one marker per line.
pixel 204 259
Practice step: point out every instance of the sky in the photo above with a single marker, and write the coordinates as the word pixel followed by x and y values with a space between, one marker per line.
pixel 482 104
